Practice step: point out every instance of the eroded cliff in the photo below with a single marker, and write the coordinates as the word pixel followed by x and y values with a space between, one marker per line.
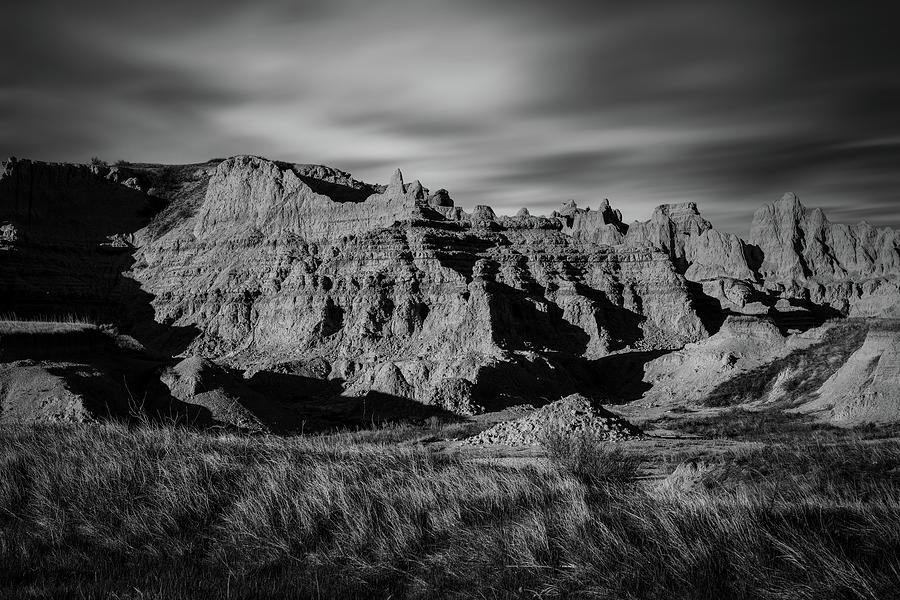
pixel 315 285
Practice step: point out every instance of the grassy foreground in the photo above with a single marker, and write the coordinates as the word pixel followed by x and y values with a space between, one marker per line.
pixel 154 512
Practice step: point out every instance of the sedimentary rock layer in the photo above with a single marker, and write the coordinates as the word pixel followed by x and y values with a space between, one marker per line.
pixel 391 289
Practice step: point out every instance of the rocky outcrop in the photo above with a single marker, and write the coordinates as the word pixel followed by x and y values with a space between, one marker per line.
pixel 67 205
pixel 715 255
pixel 251 198
pixel 797 243
pixel 398 300
pixel 866 388
pixel 200 382
pixel 697 250
pixel 668 229
pixel 249 264
pixel 602 226
pixel 69 232
pixel 853 268
pixel 688 376
pixel 32 393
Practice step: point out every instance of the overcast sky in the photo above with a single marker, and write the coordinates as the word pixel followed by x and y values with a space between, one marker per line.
pixel 510 103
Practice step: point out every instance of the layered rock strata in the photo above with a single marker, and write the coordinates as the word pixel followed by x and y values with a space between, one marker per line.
pixel 394 290
pixel 398 294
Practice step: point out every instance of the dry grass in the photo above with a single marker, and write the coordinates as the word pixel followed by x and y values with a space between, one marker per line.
pixel 159 512
pixel 590 458
pixel 12 324
pixel 770 424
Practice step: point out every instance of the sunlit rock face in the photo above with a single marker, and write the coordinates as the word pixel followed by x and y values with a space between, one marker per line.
pixel 399 293
pixel 393 289
pixel 854 268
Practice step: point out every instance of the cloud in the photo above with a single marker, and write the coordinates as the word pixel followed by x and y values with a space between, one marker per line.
pixel 507 103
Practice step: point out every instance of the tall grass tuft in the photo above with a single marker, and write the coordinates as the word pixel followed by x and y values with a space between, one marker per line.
pixel 591 458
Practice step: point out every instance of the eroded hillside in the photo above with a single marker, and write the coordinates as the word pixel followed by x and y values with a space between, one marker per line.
pixel 314 295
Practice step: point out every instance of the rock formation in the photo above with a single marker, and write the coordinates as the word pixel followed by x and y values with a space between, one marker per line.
pixel 689 376
pixel 397 298
pixel 603 226
pixel 853 268
pixel 866 388
pixel 249 265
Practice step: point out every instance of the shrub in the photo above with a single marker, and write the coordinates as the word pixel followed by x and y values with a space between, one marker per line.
pixel 592 459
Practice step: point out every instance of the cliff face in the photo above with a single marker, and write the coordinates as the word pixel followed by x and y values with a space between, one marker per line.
pixel 67 234
pixel 398 293
pixel 275 268
pixel 800 243
pixel 697 250
pixel 854 268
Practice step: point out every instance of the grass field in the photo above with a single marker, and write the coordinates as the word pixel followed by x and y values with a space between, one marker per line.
pixel 158 512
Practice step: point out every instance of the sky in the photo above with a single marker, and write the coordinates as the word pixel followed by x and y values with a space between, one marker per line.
pixel 508 103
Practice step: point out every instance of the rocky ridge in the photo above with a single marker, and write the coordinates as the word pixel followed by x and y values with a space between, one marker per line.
pixel 401 294
pixel 262 267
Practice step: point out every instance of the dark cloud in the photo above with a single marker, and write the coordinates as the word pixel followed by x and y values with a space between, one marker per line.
pixel 510 103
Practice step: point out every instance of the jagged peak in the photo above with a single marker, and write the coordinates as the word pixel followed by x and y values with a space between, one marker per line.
pixel 396 185
pixel 789 198
pixel 483 211
pixel 415 190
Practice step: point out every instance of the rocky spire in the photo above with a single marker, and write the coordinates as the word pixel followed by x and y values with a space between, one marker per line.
pixel 415 190
pixel 395 187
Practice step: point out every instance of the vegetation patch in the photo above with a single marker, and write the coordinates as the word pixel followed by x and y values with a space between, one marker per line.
pixel 160 512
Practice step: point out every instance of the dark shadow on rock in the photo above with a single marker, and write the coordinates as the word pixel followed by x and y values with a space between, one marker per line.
pixel 138 318
pixel 129 390
pixel 754 256
pixel 623 374
pixel 612 379
pixel 623 325
pixel 708 308
pixel 459 252
pixel 806 369
pixel 519 323
pixel 312 405
pixel 291 389
pixel 377 408
pixel 66 264
pixel 809 316
pixel 336 191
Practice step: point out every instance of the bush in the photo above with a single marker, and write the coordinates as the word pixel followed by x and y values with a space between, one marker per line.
pixel 98 162
pixel 592 459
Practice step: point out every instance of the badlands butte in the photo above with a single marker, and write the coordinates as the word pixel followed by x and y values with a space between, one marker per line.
pixel 264 295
